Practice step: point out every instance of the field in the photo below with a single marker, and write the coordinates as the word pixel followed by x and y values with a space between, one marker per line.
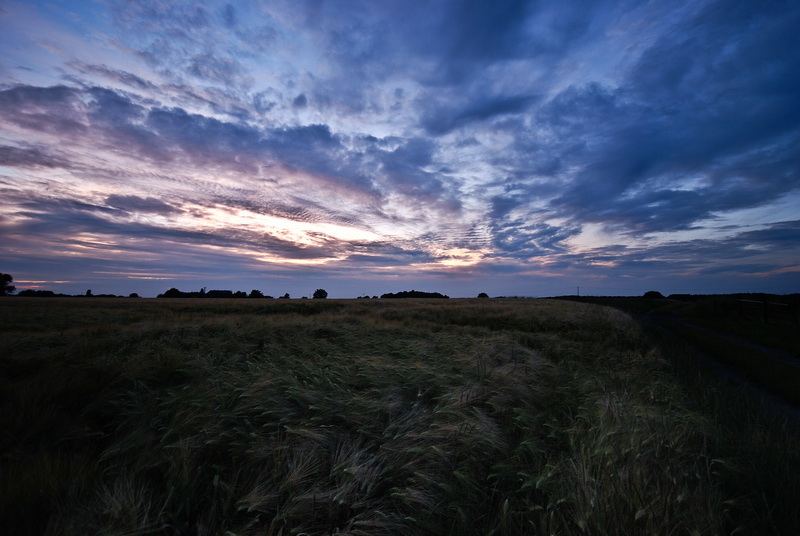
pixel 492 416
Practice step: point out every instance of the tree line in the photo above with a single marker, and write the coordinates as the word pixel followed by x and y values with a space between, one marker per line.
pixel 7 289
pixel 319 294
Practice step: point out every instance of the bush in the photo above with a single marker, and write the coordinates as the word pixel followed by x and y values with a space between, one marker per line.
pixel 320 294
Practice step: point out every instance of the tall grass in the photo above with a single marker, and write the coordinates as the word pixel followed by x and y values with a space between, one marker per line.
pixel 362 417
pixel 754 434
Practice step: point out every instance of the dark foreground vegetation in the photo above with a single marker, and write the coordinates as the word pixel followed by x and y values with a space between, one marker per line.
pixel 755 336
pixel 376 417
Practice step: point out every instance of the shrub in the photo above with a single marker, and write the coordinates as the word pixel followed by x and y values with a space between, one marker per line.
pixel 320 294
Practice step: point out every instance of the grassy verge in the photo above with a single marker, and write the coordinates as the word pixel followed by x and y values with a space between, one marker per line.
pixel 758 442
pixel 773 374
pixel 366 417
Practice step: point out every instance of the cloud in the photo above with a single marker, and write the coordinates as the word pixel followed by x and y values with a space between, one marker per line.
pixel 689 134
pixel 30 156
pixel 228 14
pixel 408 167
pixel 124 123
pixel 738 252
pixel 116 75
pixel 179 19
pixel 443 119
pixel 136 204
pixel 182 39
pixel 199 137
pixel 75 225
pixel 517 234
pixel 300 101
pixel 55 110
pixel 216 69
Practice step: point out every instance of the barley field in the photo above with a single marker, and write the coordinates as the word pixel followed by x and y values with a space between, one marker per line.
pixel 373 417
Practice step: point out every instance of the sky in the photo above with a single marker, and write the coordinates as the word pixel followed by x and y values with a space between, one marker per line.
pixel 517 148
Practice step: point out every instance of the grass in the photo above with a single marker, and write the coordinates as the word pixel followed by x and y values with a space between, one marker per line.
pixel 373 417
pixel 773 374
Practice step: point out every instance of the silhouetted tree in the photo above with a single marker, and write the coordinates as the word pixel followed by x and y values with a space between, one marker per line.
pixel 6 288
pixel 285 296
pixel 172 293
pixel 89 293
pixel 38 293
pixel 218 294
pixel 653 294
pixel 413 294
pixel 483 295
pixel 256 294
pixel 320 294
pixel 133 295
